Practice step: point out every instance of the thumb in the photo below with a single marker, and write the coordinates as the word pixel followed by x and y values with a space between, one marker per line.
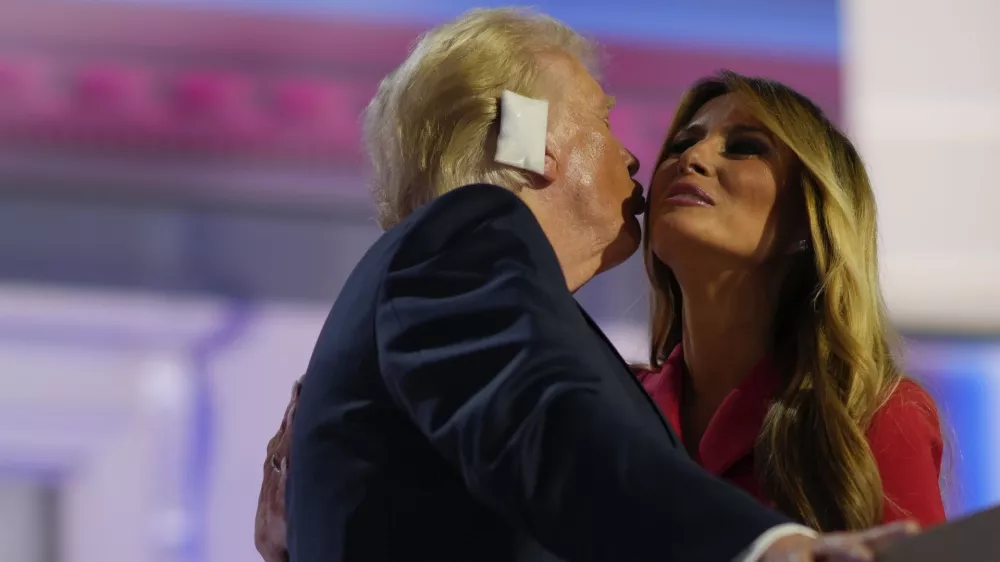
pixel 881 537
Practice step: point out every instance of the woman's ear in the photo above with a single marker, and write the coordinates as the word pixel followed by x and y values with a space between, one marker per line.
pixel 800 233
pixel 800 238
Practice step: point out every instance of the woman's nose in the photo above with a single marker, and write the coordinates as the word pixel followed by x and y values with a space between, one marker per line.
pixel 695 160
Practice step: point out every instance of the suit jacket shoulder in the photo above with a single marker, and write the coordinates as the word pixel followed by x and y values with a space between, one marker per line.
pixel 458 214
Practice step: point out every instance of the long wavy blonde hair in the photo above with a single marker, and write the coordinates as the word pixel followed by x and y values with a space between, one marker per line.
pixel 812 455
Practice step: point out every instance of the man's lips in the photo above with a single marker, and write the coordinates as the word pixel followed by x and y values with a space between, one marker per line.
pixel 638 201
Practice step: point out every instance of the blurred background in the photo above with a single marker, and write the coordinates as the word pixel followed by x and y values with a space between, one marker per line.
pixel 182 194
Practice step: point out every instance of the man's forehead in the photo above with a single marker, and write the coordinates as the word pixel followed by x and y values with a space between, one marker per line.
pixel 571 82
pixel 564 75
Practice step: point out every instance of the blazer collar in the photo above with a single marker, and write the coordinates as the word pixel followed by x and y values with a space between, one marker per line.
pixel 732 432
pixel 627 370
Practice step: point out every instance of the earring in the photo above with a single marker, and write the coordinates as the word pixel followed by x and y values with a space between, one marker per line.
pixel 803 245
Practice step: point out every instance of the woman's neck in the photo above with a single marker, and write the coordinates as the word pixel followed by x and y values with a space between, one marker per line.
pixel 728 329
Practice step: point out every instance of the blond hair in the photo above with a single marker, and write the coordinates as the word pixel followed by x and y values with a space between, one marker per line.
pixel 431 126
pixel 812 453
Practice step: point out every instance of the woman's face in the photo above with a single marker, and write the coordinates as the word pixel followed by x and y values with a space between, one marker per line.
pixel 723 191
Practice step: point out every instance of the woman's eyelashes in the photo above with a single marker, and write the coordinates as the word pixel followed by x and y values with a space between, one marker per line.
pixel 746 147
pixel 680 146
pixel 737 146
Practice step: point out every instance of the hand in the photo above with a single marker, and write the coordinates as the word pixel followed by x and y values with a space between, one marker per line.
pixel 838 547
pixel 269 525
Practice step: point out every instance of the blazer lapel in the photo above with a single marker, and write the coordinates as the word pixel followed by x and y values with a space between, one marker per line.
pixel 632 380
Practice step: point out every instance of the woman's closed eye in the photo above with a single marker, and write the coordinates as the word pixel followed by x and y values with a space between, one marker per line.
pixel 679 146
pixel 747 147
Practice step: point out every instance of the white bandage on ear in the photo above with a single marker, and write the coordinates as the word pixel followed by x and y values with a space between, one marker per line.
pixel 523 125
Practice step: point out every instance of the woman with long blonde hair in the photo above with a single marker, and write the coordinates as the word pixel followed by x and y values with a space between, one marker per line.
pixel 772 354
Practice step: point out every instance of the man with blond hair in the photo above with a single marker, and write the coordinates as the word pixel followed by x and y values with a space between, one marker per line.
pixel 459 405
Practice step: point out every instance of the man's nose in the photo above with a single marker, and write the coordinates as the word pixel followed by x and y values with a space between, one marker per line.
pixel 633 163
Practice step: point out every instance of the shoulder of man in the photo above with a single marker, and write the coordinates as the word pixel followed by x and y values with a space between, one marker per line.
pixel 463 213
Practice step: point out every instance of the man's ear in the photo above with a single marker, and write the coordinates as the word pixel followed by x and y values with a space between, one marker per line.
pixel 552 166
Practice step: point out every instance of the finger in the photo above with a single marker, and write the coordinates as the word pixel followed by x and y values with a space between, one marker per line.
pixel 842 549
pixel 284 449
pixel 269 465
pixel 285 445
pixel 284 418
pixel 274 554
pixel 795 555
pixel 881 537
pixel 292 403
pixel 272 444
pixel 883 533
pixel 264 500
pixel 264 485
pixel 275 441
pixel 279 498
pixel 799 555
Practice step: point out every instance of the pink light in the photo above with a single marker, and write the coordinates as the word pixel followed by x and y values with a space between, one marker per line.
pixel 315 117
pixel 214 110
pixel 207 95
pixel 108 102
pixel 302 100
pixel 25 89
pixel 110 88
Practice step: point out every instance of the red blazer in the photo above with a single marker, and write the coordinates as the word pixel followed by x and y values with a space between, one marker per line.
pixel 905 437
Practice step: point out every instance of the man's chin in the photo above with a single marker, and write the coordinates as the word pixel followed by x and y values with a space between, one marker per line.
pixel 624 245
pixel 633 229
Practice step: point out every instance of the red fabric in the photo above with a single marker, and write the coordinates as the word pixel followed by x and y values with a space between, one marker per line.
pixel 905 437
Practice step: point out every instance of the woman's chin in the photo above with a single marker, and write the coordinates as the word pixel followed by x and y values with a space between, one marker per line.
pixel 673 230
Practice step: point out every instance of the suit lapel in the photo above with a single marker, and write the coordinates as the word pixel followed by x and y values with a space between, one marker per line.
pixel 626 371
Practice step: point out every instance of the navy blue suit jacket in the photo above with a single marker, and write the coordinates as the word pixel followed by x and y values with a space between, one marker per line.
pixel 460 407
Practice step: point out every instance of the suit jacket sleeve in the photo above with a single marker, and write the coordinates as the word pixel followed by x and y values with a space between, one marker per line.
pixel 905 437
pixel 472 351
